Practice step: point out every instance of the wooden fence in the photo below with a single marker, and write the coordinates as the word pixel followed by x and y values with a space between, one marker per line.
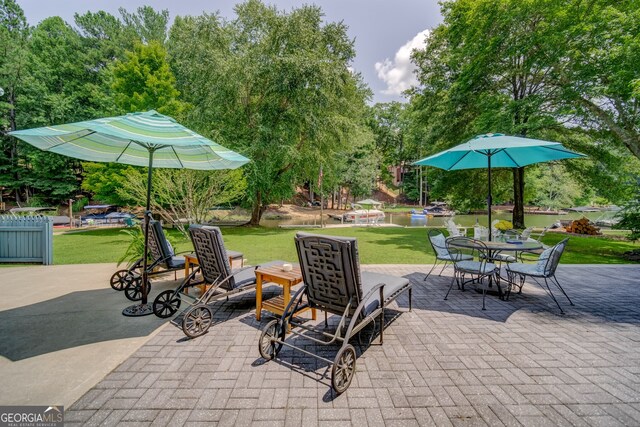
pixel 26 239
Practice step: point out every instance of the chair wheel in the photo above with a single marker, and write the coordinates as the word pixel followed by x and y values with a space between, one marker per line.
pixel 121 279
pixel 269 348
pixel 197 321
pixel 166 304
pixel 133 290
pixel 344 368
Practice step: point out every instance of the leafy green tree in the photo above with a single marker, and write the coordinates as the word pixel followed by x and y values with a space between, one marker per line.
pixel 183 196
pixel 553 187
pixel 498 65
pixel 598 80
pixel 630 214
pixel 274 86
pixel 143 81
pixel 14 33
pixel 148 24
pixel 104 180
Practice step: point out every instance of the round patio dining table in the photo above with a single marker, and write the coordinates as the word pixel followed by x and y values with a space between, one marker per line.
pixel 501 245
pixel 498 246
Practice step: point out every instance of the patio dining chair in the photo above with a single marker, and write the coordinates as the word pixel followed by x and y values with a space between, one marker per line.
pixel 544 269
pixel 481 272
pixel 334 284
pixel 439 247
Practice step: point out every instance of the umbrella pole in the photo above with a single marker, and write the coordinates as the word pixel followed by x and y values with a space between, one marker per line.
pixel 144 309
pixel 489 197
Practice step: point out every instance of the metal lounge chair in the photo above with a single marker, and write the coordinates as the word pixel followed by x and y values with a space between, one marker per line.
pixel 544 269
pixel 162 256
pixel 439 246
pixel 333 283
pixel 477 271
pixel 217 275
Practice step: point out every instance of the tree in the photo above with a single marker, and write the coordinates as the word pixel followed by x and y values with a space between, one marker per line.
pixel 54 89
pixel 183 196
pixel 149 25
pixel 274 86
pixel 14 32
pixel 144 81
pixel 104 180
pixel 496 65
pixel 599 81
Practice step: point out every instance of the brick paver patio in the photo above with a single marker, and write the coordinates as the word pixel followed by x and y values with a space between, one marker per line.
pixel 445 363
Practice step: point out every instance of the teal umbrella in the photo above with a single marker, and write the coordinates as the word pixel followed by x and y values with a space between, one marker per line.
pixel 140 139
pixel 495 150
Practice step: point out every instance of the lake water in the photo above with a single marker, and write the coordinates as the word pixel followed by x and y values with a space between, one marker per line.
pixel 406 220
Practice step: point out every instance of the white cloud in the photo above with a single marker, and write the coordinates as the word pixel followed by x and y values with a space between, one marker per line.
pixel 398 73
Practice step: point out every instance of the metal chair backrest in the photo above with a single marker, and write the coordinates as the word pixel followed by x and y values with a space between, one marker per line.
pixel 467 245
pixel 550 258
pixel 331 271
pixel 438 243
pixel 158 245
pixel 212 255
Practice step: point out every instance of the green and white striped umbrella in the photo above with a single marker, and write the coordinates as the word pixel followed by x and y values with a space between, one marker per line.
pixel 140 139
pixel 130 138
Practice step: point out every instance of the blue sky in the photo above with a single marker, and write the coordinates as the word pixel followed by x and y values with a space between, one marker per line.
pixel 384 30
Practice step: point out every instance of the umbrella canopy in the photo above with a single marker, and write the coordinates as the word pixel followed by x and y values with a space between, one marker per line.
pixel 505 152
pixel 495 150
pixel 130 138
pixel 140 139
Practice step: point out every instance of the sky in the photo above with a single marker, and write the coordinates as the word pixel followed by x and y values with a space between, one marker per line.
pixel 385 31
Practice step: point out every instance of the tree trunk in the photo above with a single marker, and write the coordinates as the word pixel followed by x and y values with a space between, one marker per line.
pixel 257 210
pixel 518 198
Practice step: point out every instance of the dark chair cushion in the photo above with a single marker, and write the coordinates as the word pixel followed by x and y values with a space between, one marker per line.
pixel 393 286
pixel 175 262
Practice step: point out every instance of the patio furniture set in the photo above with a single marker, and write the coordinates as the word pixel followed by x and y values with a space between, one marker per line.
pixel 482 263
pixel 328 274
pixel 329 279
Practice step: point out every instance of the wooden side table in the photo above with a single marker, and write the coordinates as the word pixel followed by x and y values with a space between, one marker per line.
pixel 286 279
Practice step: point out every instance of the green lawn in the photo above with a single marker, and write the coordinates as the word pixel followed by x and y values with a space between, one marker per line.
pixel 376 245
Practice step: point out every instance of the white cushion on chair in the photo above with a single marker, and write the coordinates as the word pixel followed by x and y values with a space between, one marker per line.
pixel 475 267
pixel 528 269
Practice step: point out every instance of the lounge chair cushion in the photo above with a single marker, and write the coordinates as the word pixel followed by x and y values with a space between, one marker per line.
pixel 175 262
pixel 393 286
pixel 247 276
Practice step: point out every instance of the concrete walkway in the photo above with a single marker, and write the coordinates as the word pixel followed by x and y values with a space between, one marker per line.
pixel 444 363
pixel 62 331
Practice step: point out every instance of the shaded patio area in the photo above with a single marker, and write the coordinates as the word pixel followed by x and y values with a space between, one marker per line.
pixel 447 363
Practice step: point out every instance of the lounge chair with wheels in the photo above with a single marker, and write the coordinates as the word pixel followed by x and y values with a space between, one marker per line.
pixel 543 270
pixel 439 247
pixel 162 260
pixel 217 277
pixel 334 284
